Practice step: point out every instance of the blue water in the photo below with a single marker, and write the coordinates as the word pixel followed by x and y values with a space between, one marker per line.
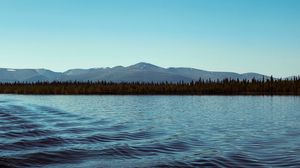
pixel 149 131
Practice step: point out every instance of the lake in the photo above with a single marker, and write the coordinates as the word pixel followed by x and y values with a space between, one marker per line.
pixel 149 131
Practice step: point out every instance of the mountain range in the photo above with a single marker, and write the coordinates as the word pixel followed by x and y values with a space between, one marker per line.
pixel 140 72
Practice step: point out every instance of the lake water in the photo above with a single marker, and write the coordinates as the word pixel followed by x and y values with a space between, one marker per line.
pixel 149 131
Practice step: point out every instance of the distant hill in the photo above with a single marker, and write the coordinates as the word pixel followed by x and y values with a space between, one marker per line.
pixel 141 72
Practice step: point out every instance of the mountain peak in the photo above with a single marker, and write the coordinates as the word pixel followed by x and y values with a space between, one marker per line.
pixel 144 66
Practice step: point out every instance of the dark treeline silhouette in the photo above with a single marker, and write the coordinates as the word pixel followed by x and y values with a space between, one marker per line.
pixel 269 86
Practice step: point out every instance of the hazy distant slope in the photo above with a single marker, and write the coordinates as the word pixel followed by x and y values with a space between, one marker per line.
pixel 30 75
pixel 142 72
pixel 11 75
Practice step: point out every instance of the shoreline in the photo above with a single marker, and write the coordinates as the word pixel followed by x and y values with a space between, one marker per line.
pixel 227 87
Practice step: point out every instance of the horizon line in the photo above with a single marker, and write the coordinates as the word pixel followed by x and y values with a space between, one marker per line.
pixel 142 62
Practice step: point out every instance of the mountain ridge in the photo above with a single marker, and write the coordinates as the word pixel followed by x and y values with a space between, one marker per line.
pixel 140 72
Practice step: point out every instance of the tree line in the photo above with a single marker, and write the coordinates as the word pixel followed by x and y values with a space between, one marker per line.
pixel 268 86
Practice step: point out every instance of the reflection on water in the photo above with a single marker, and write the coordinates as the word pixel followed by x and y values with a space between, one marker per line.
pixel 149 131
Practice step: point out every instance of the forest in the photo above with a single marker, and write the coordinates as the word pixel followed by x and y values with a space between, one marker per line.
pixel 269 86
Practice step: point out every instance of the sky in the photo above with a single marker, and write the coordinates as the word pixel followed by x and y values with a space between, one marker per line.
pixel 219 35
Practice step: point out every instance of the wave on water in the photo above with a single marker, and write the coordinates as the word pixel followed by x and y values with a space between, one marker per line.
pixel 42 136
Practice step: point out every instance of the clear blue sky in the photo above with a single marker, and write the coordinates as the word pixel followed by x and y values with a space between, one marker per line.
pixel 221 35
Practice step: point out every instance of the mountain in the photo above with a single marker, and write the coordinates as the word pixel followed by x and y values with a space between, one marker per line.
pixel 28 75
pixel 141 72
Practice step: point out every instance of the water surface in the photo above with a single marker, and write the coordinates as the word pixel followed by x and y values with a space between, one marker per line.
pixel 149 131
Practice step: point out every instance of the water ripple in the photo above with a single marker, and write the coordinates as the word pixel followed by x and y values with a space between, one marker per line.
pixel 165 134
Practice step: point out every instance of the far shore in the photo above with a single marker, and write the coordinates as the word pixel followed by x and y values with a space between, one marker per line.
pixel 224 87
